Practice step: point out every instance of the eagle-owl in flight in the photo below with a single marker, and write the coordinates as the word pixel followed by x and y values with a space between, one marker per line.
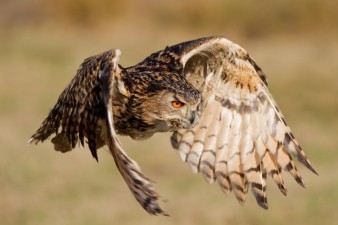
pixel 209 92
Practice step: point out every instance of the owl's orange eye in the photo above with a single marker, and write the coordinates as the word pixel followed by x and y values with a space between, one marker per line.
pixel 177 104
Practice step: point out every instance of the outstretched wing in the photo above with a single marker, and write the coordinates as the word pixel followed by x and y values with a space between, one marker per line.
pixel 84 110
pixel 241 135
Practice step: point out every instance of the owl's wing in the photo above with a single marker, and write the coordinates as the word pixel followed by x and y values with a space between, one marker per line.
pixel 84 109
pixel 79 109
pixel 241 135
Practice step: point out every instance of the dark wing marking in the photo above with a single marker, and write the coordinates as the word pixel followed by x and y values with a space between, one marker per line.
pixel 241 135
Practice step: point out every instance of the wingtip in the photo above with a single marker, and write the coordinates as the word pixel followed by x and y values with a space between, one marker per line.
pixel 312 170
pixel 117 52
pixel 158 211
pixel 308 165
pixel 32 140
pixel 96 158
pixel 163 213
pixel 300 155
pixel 262 201
pixel 283 189
pixel 299 180
pixel 264 205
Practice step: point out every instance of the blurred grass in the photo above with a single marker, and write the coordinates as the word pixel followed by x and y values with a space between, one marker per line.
pixel 42 44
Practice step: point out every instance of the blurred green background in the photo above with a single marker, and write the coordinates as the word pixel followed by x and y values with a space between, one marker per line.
pixel 41 45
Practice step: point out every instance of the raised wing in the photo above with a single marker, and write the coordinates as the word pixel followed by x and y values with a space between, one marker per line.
pixel 79 109
pixel 242 135
pixel 84 109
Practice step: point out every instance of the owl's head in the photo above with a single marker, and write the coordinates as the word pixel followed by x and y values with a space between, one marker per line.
pixel 169 109
pixel 173 110
pixel 160 98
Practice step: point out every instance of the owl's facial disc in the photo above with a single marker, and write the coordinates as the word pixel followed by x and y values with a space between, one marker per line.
pixel 182 113
pixel 169 111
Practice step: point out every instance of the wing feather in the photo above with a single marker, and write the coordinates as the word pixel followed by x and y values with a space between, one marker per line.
pixel 78 109
pixel 221 152
pixel 242 135
pixel 208 157
pixel 197 147
pixel 235 171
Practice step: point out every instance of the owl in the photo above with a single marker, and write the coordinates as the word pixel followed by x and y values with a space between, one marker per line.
pixel 208 92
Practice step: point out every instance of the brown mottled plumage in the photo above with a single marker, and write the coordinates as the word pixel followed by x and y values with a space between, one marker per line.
pixel 208 91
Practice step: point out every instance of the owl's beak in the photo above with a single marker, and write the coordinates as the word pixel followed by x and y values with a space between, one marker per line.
pixel 192 117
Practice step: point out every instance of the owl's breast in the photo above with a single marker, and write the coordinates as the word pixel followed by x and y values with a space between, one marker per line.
pixel 133 127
